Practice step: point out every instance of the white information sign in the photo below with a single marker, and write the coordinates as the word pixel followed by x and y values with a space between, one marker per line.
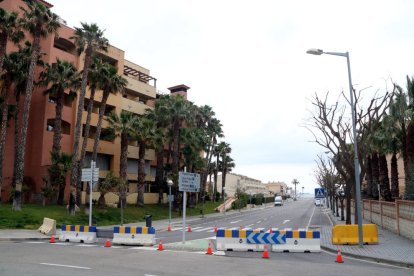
pixel 188 182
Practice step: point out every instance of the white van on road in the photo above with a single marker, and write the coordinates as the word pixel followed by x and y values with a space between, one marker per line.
pixel 278 201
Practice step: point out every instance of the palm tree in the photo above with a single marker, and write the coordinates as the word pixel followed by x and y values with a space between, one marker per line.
pixel 9 30
pixel 95 79
pixel 144 133
pixel 160 116
pixel 105 186
pixel 39 21
pixel 178 112
pixel 226 166
pixel 14 66
pixel 88 39
pixel 409 177
pixel 63 76
pixel 223 149
pixel 122 124
pixel 61 164
pixel 111 83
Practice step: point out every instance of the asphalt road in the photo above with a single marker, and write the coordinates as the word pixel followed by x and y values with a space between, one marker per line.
pixel 42 258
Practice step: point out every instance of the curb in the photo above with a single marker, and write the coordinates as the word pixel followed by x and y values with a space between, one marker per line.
pixel 373 259
pixel 23 239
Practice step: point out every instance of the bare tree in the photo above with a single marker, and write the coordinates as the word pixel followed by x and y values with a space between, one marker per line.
pixel 331 127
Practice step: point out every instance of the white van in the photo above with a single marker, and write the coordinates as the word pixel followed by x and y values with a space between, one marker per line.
pixel 278 201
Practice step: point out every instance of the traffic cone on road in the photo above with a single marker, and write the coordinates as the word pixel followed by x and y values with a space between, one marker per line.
pixel 107 243
pixel 271 230
pixel 339 257
pixel 189 228
pixel 240 228
pixel 265 253
pixel 169 228
pixel 209 250
pixel 52 239
pixel 215 229
pixel 160 247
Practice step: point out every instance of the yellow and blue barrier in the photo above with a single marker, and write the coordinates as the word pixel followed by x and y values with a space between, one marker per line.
pixel 78 233
pixel 235 239
pixel 134 235
pixel 299 241
pixel 278 240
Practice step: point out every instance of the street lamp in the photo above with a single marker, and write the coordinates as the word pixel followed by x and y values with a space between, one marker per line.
pixel 356 161
pixel 169 183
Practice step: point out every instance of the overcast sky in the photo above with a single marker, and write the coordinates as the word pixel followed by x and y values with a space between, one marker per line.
pixel 247 60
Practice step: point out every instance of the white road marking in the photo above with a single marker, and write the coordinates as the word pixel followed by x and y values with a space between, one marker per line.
pixel 86 245
pixel 143 248
pixel 204 229
pixel 259 222
pixel 35 242
pixel 232 222
pixel 195 228
pixel 220 253
pixel 70 266
pixel 313 212
pixel 60 243
pixel 250 225
pixel 286 221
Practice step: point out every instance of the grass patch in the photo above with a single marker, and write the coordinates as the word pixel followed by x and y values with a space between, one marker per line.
pixel 31 216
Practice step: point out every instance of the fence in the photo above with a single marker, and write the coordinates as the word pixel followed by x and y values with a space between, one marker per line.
pixel 397 217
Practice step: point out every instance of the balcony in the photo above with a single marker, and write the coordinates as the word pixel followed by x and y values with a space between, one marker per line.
pixel 133 106
pixel 133 153
pixel 141 87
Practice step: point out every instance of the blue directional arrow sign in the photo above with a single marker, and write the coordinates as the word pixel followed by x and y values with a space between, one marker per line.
pixel 266 238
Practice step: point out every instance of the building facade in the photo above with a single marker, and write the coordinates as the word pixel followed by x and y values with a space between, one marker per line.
pixel 243 183
pixel 277 188
pixel 138 96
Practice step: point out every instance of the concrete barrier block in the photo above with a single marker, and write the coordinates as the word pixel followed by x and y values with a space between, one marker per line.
pixel 48 227
pixel 134 235
pixel 78 233
pixel 348 234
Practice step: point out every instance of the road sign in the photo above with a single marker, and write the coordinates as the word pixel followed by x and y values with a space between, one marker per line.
pixel 266 238
pixel 188 182
pixel 319 193
pixel 87 174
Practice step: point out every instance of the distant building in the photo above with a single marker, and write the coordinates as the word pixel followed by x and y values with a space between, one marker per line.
pixel 277 188
pixel 244 183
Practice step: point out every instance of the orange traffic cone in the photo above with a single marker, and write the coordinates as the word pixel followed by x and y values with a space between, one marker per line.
pixel 107 243
pixel 265 253
pixel 160 247
pixel 240 228
pixel 189 228
pixel 169 228
pixel 339 257
pixel 215 229
pixel 209 250
pixel 271 230
pixel 52 239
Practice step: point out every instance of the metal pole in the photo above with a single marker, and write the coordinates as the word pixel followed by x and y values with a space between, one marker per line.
pixel 356 160
pixel 184 205
pixel 169 201
pixel 90 192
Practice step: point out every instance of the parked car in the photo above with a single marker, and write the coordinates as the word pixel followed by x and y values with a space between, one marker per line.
pixel 278 201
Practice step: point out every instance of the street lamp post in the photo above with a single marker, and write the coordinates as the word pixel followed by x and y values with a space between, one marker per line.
pixel 170 183
pixel 356 161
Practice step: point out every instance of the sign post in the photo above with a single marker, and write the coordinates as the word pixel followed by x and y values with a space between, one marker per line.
pixel 187 182
pixel 90 175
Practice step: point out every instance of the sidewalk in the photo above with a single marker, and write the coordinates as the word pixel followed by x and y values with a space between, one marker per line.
pixel 391 249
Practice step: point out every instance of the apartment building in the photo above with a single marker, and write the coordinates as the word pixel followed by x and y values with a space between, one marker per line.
pixel 277 188
pixel 244 183
pixel 139 95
